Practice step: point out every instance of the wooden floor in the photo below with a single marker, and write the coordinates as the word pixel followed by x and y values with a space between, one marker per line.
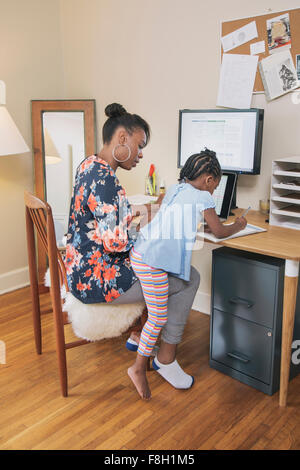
pixel 103 410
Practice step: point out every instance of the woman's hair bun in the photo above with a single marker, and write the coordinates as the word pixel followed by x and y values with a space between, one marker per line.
pixel 114 110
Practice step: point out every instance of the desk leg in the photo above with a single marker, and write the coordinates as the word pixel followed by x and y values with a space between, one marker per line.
pixel 289 306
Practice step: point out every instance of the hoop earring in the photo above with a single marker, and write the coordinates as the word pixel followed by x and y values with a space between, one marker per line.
pixel 121 145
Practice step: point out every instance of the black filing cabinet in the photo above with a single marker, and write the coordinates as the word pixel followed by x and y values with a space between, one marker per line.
pixel 246 318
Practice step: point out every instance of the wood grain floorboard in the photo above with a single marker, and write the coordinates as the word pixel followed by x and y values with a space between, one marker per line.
pixel 103 409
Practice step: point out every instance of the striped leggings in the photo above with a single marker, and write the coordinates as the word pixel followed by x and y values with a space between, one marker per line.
pixel 155 285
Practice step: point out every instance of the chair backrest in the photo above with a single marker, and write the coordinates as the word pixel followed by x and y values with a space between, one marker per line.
pixel 39 215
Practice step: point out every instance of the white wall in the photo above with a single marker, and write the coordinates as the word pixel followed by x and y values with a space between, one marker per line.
pixel 31 67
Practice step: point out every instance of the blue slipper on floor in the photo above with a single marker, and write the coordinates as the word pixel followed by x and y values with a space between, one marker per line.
pixel 131 345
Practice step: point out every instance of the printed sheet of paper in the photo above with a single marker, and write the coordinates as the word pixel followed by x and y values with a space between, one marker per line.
pixel 248 230
pixel 278 74
pixel 239 37
pixel 237 81
pixel 257 47
pixel 279 33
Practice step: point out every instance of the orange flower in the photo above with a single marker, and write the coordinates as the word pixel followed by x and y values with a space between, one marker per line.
pixel 97 272
pixel 92 203
pixel 113 294
pixel 109 273
pixel 78 200
pixel 86 164
pixel 72 257
pixel 94 258
pixel 88 273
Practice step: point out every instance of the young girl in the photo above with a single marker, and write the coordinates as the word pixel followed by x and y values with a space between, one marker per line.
pixel 165 246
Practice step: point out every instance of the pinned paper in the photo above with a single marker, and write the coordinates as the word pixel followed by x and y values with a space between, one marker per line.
pixel 278 74
pixel 240 36
pixel 237 80
pixel 257 47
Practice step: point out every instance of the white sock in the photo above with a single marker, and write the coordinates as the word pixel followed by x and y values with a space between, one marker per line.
pixel 174 374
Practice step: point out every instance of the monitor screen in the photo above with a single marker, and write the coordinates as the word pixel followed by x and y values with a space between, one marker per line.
pixel 218 194
pixel 234 134
pixel 223 194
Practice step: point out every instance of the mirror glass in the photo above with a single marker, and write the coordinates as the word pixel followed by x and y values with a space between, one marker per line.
pixel 64 149
pixel 63 134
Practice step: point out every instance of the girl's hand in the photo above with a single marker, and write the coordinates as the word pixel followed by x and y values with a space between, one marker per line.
pixel 241 223
pixel 222 230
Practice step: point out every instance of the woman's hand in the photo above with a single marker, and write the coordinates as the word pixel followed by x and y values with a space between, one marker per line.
pixel 149 213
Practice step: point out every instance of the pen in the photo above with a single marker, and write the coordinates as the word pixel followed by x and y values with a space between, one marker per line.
pixel 245 213
pixel 149 186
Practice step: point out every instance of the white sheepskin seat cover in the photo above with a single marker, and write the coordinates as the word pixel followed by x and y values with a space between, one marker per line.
pixel 94 322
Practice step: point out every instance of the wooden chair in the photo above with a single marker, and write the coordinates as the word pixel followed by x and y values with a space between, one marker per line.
pixel 39 216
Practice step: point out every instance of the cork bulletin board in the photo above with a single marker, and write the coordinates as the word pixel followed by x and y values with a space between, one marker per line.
pixel 261 24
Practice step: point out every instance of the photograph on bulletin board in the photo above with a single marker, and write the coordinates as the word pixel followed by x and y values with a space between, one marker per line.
pixel 279 33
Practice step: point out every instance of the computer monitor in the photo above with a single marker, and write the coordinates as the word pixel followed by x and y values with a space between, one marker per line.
pixel 234 134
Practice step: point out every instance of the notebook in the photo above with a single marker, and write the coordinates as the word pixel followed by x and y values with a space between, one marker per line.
pixel 248 230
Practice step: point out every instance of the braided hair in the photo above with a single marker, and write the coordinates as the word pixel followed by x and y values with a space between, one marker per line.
pixel 200 163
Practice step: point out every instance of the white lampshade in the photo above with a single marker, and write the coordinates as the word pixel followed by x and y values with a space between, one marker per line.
pixel 11 141
pixel 51 153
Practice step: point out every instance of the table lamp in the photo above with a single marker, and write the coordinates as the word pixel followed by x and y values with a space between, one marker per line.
pixel 11 140
pixel 51 153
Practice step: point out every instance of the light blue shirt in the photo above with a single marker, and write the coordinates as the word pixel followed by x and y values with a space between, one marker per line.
pixel 167 241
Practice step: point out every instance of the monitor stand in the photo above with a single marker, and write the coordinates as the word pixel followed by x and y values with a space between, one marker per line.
pixel 233 202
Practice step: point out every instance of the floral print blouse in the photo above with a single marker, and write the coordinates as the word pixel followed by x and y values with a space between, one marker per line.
pixel 99 238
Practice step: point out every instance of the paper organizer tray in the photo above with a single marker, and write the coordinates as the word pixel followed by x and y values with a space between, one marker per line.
pixel 285 193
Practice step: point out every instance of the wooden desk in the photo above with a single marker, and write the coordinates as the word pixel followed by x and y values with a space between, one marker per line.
pixel 285 244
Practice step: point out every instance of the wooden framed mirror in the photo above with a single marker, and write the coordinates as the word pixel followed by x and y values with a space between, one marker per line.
pixel 64 133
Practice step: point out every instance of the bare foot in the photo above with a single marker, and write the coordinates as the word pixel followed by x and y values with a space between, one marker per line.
pixel 139 379
pixel 135 336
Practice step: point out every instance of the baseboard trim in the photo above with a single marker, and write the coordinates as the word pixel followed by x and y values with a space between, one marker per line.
pixel 14 280
pixel 202 302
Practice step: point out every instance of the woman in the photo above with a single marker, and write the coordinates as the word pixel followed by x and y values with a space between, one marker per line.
pixel 100 238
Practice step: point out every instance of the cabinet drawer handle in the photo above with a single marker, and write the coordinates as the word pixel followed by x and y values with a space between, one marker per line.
pixel 240 301
pixel 239 357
